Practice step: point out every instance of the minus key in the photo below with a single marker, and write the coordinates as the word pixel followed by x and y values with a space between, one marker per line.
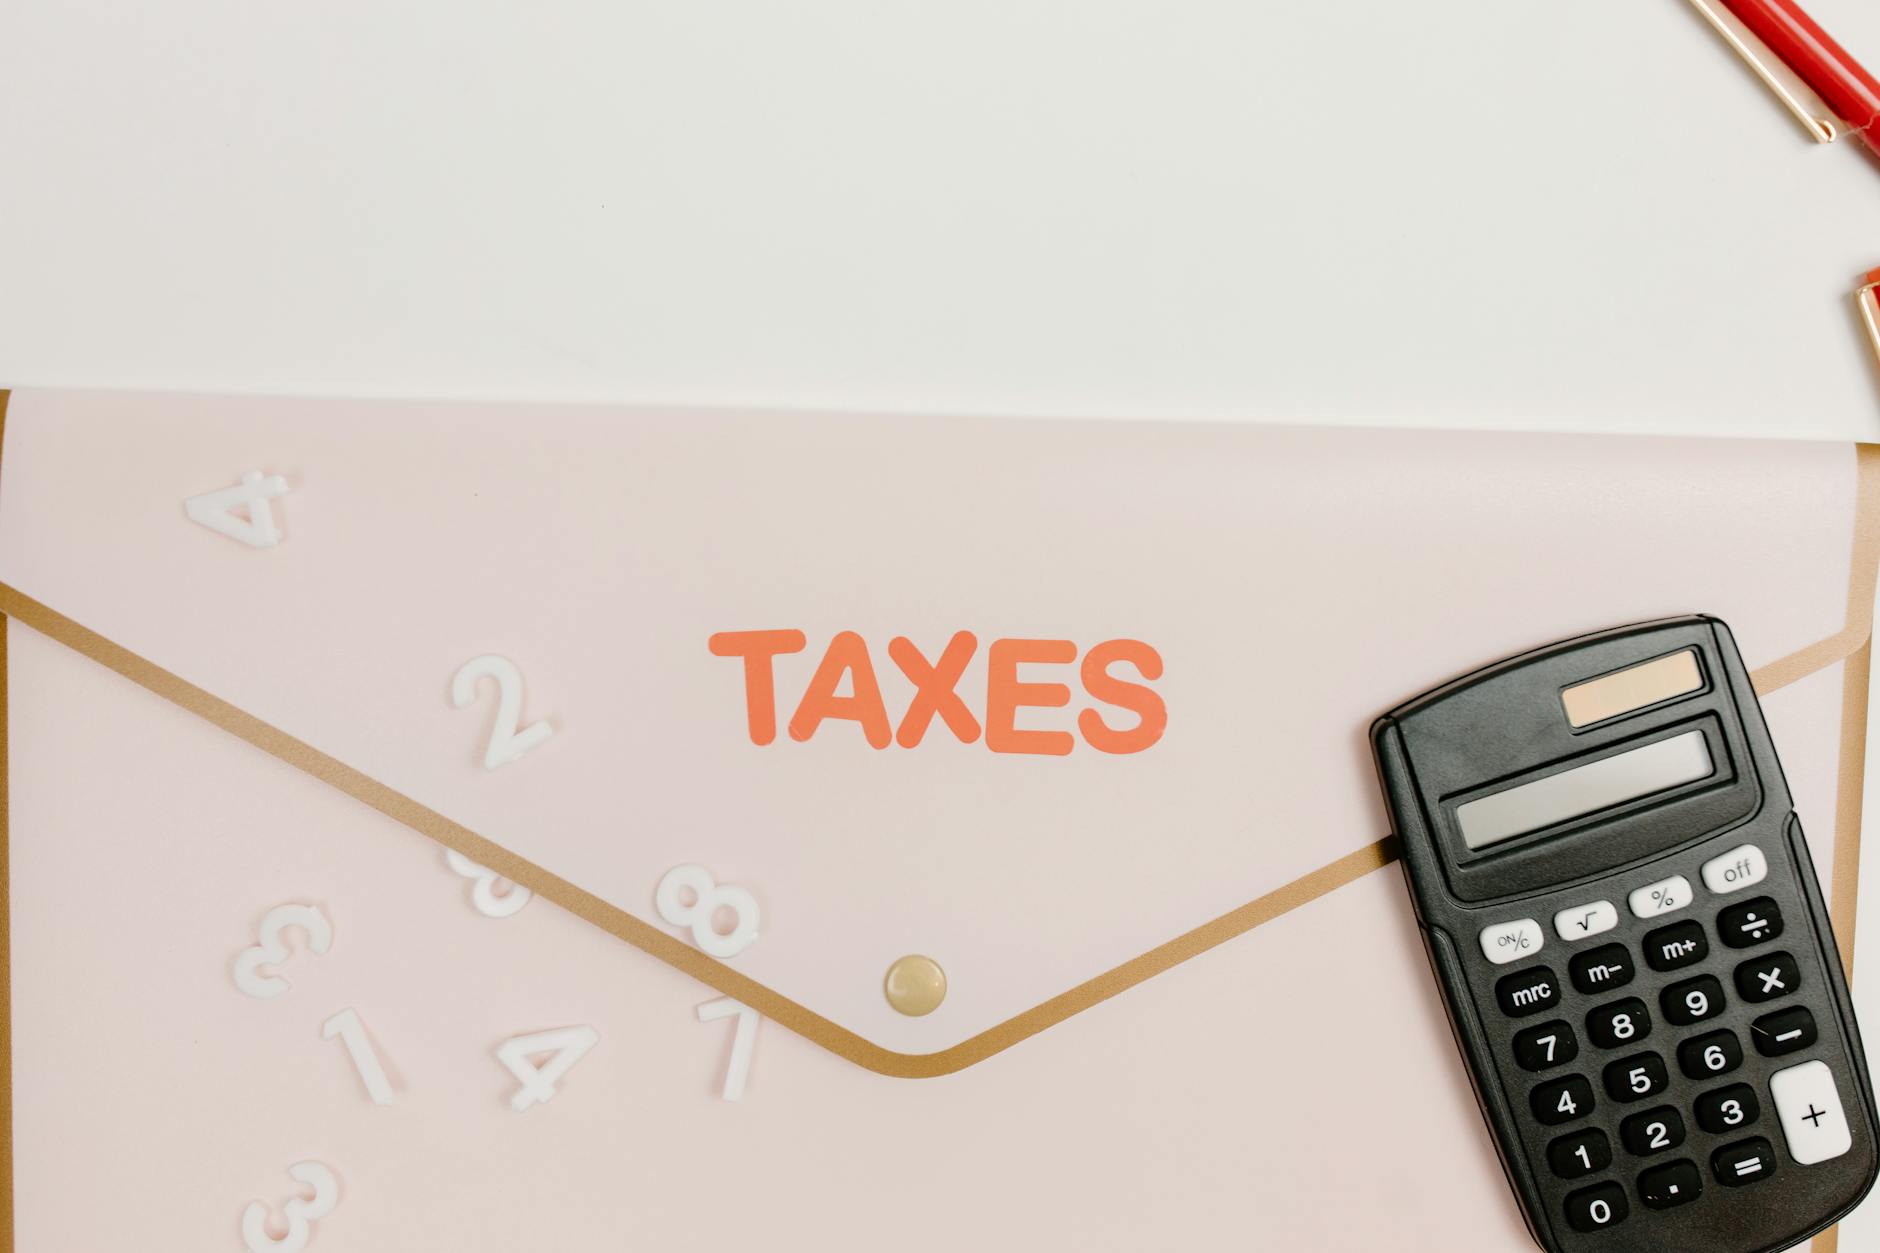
pixel 1788 1031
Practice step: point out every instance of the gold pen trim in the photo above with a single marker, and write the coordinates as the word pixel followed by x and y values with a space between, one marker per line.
pixel 1797 96
pixel 1867 300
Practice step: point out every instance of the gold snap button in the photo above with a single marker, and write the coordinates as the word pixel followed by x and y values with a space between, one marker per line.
pixel 915 985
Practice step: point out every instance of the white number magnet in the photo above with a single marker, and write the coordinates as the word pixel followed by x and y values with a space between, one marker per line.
pixel 739 1069
pixel 708 897
pixel 300 1211
pixel 568 1044
pixel 215 510
pixel 271 951
pixel 483 893
pixel 506 743
pixel 352 1033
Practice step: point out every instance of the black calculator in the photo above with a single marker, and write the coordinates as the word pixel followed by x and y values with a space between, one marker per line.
pixel 1621 912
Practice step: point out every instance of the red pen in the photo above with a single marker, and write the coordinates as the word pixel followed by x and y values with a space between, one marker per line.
pixel 1777 36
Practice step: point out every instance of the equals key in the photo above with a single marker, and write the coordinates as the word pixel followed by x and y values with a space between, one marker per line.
pixel 1737 1165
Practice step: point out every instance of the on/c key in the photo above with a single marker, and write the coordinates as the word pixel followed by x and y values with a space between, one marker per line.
pixel 1511 941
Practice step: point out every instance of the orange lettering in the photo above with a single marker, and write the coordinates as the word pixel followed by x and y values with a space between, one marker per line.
pixel 760 689
pixel 847 654
pixel 933 689
pixel 1145 703
pixel 1005 694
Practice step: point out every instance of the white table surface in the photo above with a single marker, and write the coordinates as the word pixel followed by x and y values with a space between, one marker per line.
pixel 1472 213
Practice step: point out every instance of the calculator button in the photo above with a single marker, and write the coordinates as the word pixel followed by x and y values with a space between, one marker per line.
pixel 1737 1165
pixel 1528 992
pixel 1585 921
pixel 1664 897
pixel 1546 1046
pixel 1670 1185
pixel 1562 1100
pixel 1677 946
pixel 1784 1032
pixel 1737 869
pixel 1750 923
pixel 1602 969
pixel 1694 1000
pixel 1511 941
pixel 1635 1078
pixel 1619 1024
pixel 1597 1208
pixel 1707 1056
pixel 1580 1154
pixel 1809 1106
pixel 1653 1131
pixel 1768 978
pixel 1727 1109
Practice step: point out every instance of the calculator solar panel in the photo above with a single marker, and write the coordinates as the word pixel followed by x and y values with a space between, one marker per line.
pixel 1623 917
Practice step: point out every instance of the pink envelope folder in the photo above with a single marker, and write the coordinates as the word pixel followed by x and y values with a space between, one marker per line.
pixel 1076 710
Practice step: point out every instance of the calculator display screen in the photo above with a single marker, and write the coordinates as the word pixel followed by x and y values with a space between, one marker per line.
pixel 1584 789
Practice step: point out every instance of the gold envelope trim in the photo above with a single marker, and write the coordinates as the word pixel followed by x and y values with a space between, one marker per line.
pixel 806 1022
pixel 675 952
pixel 6 955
